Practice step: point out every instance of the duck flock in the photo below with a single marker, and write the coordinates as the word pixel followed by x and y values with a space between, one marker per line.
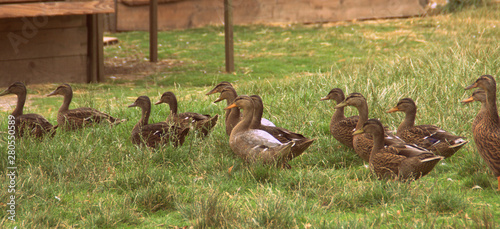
pixel 408 154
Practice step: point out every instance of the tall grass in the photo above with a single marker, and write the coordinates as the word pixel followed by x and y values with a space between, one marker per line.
pixel 95 177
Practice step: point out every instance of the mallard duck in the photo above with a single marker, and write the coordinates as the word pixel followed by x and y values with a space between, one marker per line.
pixel 228 93
pixel 363 142
pixel 201 122
pixel 487 130
pixel 253 144
pixel 283 135
pixel 31 124
pixel 429 137
pixel 156 134
pixel 78 117
pixel 341 127
pixel 401 161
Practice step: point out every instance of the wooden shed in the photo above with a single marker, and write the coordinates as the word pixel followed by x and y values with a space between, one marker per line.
pixel 181 14
pixel 44 41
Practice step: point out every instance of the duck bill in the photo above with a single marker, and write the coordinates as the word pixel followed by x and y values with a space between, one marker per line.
pixel 230 106
pixel 132 105
pixel 159 102
pixel 469 100
pixel 360 131
pixel 213 91
pixel 340 105
pixel 6 92
pixel 218 100
pixel 474 85
pixel 392 110
pixel 52 93
pixel 324 98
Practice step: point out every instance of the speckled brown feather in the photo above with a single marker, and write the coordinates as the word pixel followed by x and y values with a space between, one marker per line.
pixel 154 135
pixel 487 131
pixel 429 137
pixel 201 122
pixel 341 127
pixel 27 124
pixel 401 161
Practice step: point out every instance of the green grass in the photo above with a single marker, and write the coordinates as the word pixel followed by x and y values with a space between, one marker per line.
pixel 96 177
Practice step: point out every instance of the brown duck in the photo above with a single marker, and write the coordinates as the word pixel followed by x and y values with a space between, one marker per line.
pixel 232 116
pixel 78 117
pixel 27 124
pixel 487 130
pixel 153 135
pixel 429 137
pixel 341 127
pixel 253 144
pixel 363 142
pixel 202 122
pixel 401 161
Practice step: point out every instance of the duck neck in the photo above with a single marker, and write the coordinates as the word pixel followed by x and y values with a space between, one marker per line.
pixel 145 116
pixel 245 122
pixel 173 106
pixel 363 115
pixel 67 100
pixel 21 99
pixel 257 116
pixel 491 104
pixel 378 144
pixel 233 111
pixel 338 115
pixel 409 120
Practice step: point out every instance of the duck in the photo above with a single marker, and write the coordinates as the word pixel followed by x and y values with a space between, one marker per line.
pixel 229 92
pixel 78 117
pixel 478 95
pixel 403 162
pixel 283 135
pixel 341 127
pixel 429 137
pixel 487 130
pixel 233 115
pixel 362 143
pixel 27 124
pixel 202 122
pixel 154 135
pixel 254 145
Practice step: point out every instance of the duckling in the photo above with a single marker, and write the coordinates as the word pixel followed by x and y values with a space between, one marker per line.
pixel 78 117
pixel 429 137
pixel 487 130
pixel 201 122
pixel 401 161
pixel 341 127
pixel 253 144
pixel 27 124
pixel 153 135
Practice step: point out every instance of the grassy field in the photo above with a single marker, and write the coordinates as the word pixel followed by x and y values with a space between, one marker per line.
pixel 96 177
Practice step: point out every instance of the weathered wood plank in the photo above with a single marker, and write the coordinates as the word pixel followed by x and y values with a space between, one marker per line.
pixel 37 23
pixel 43 43
pixel 153 31
pixel 92 48
pixel 67 69
pixel 228 35
pixel 55 8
